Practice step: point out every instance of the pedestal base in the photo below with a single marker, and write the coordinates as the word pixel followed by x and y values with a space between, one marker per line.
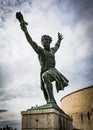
pixel 46 117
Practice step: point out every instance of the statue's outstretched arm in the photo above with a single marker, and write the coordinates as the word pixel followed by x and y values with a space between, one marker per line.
pixel 29 39
pixel 23 24
pixel 57 45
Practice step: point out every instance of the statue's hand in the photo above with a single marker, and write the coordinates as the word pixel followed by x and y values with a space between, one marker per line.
pixel 23 26
pixel 20 18
pixel 60 36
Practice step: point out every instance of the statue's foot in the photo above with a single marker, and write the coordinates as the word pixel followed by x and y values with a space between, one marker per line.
pixel 51 101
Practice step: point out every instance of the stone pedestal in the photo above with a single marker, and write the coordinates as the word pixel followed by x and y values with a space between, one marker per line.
pixel 45 118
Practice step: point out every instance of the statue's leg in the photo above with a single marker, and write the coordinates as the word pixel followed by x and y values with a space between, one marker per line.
pixel 47 79
pixel 45 94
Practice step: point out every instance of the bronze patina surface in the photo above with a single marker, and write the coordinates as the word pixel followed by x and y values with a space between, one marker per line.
pixel 46 56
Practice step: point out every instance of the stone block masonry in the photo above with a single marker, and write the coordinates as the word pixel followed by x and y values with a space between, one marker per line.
pixel 45 119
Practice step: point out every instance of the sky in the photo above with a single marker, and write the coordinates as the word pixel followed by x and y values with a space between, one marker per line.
pixel 19 65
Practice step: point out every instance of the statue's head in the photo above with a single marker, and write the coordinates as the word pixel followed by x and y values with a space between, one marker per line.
pixel 46 40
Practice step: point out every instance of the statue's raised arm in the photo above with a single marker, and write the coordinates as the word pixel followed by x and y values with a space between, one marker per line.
pixel 23 24
pixel 57 45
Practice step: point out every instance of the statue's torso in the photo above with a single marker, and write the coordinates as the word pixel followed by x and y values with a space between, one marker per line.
pixel 47 60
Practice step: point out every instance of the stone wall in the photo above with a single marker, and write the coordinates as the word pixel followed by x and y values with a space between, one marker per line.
pixel 79 105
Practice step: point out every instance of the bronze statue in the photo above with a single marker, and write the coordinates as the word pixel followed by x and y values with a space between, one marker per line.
pixel 46 56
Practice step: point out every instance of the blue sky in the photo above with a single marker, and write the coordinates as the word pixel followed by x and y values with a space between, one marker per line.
pixel 19 66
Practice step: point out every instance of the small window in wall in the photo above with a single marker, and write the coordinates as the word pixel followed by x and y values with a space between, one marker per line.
pixel 88 116
pixel 81 116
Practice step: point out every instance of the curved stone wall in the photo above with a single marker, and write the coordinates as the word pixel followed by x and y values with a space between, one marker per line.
pixel 79 105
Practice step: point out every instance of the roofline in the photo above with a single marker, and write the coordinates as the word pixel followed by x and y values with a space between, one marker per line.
pixel 75 92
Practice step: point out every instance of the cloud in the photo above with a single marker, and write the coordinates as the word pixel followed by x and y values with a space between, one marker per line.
pixel 83 9
pixel 1 111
